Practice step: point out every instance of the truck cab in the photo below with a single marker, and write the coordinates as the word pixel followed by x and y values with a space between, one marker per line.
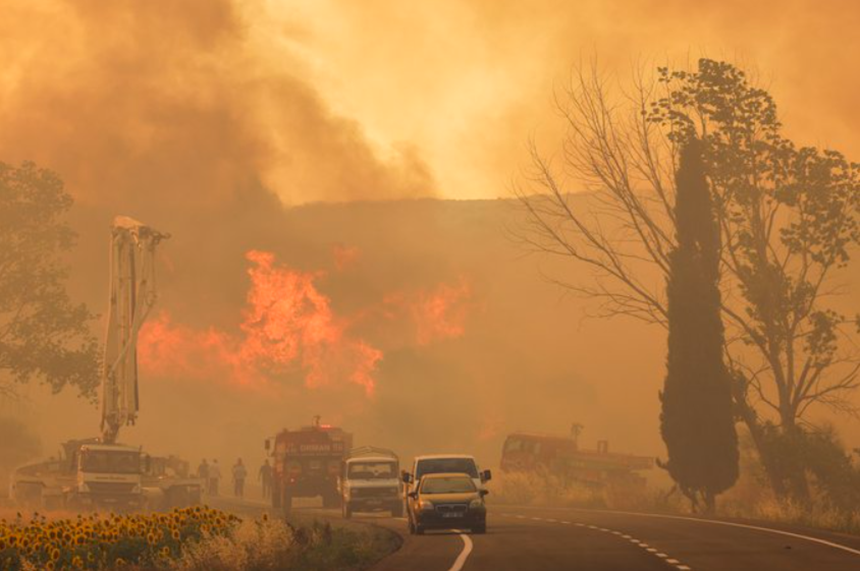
pixel 370 482
pixel 107 475
pixel 307 463
pixel 445 464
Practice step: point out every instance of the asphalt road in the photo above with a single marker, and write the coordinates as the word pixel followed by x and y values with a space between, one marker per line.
pixel 590 540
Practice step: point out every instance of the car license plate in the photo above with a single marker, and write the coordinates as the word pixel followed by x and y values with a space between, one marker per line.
pixel 453 514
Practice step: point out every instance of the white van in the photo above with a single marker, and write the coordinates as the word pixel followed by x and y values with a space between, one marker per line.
pixel 445 464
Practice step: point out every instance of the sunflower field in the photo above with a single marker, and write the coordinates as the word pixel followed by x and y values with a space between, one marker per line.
pixel 107 541
pixel 190 539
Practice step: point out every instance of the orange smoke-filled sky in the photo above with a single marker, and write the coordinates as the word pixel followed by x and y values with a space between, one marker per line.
pixel 468 82
pixel 337 100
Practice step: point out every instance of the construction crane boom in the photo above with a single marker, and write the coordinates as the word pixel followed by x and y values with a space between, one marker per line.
pixel 132 296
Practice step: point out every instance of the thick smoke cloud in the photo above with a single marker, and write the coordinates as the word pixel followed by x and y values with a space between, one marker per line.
pixel 135 102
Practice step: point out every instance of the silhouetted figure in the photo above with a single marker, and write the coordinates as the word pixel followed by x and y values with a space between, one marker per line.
pixel 203 471
pixel 239 475
pixel 265 477
pixel 214 477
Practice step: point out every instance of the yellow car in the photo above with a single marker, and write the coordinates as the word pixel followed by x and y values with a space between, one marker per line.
pixel 447 501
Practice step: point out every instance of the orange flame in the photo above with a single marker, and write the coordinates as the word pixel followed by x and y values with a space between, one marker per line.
pixel 288 325
pixel 436 314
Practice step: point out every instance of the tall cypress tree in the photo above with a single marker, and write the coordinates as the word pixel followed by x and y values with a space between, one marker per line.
pixel 697 421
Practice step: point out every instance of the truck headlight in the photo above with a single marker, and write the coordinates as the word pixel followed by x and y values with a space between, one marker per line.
pixel 425 505
pixel 476 504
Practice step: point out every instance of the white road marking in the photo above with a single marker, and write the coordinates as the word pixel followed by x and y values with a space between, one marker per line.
pixel 809 538
pixel 467 549
pixel 677 564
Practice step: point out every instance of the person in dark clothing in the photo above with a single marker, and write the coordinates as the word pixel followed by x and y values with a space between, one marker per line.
pixel 239 475
pixel 265 478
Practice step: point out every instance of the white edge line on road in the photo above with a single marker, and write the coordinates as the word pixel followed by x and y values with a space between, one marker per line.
pixel 746 526
pixel 467 549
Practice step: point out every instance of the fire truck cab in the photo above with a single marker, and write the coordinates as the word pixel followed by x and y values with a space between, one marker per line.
pixel 307 463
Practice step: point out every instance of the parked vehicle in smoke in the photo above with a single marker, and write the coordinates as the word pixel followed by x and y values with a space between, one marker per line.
pixel 307 463
pixel 167 483
pixel 562 456
pixel 443 500
pixel 370 482
pixel 88 474
pixel 445 463
pixel 91 474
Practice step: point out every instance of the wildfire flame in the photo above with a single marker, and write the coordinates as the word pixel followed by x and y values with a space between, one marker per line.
pixel 289 325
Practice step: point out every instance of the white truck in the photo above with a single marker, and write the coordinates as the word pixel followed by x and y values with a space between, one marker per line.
pixel 87 474
pixel 369 482
pixel 445 463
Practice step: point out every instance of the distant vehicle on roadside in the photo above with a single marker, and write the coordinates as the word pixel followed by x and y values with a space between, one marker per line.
pixel 307 463
pixel 445 463
pixel 88 475
pixel 447 501
pixel 562 456
pixel 370 482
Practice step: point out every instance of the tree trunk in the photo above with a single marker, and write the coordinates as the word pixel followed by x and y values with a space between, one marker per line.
pixel 750 419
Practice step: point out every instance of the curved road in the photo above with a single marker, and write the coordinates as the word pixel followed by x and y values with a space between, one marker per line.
pixel 592 540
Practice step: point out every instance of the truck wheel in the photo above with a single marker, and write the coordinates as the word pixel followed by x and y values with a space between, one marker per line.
pixel 480 529
pixel 347 510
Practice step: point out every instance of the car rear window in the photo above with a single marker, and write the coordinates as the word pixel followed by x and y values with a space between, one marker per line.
pixel 446 465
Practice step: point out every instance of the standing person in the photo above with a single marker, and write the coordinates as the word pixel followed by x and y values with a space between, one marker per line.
pixel 265 477
pixel 203 471
pixel 214 477
pixel 239 475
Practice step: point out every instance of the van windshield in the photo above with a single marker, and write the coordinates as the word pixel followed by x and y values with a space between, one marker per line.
pixel 448 485
pixel 372 471
pixel 446 465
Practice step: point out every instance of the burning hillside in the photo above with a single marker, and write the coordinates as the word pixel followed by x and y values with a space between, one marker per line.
pixel 288 326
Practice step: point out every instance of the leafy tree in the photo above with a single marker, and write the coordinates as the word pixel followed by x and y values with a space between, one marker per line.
pixel 697 420
pixel 787 216
pixel 43 334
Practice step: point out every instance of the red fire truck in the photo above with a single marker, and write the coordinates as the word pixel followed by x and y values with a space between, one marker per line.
pixel 561 455
pixel 306 464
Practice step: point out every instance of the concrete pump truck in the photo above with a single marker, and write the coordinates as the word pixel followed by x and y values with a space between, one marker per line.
pixel 100 472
